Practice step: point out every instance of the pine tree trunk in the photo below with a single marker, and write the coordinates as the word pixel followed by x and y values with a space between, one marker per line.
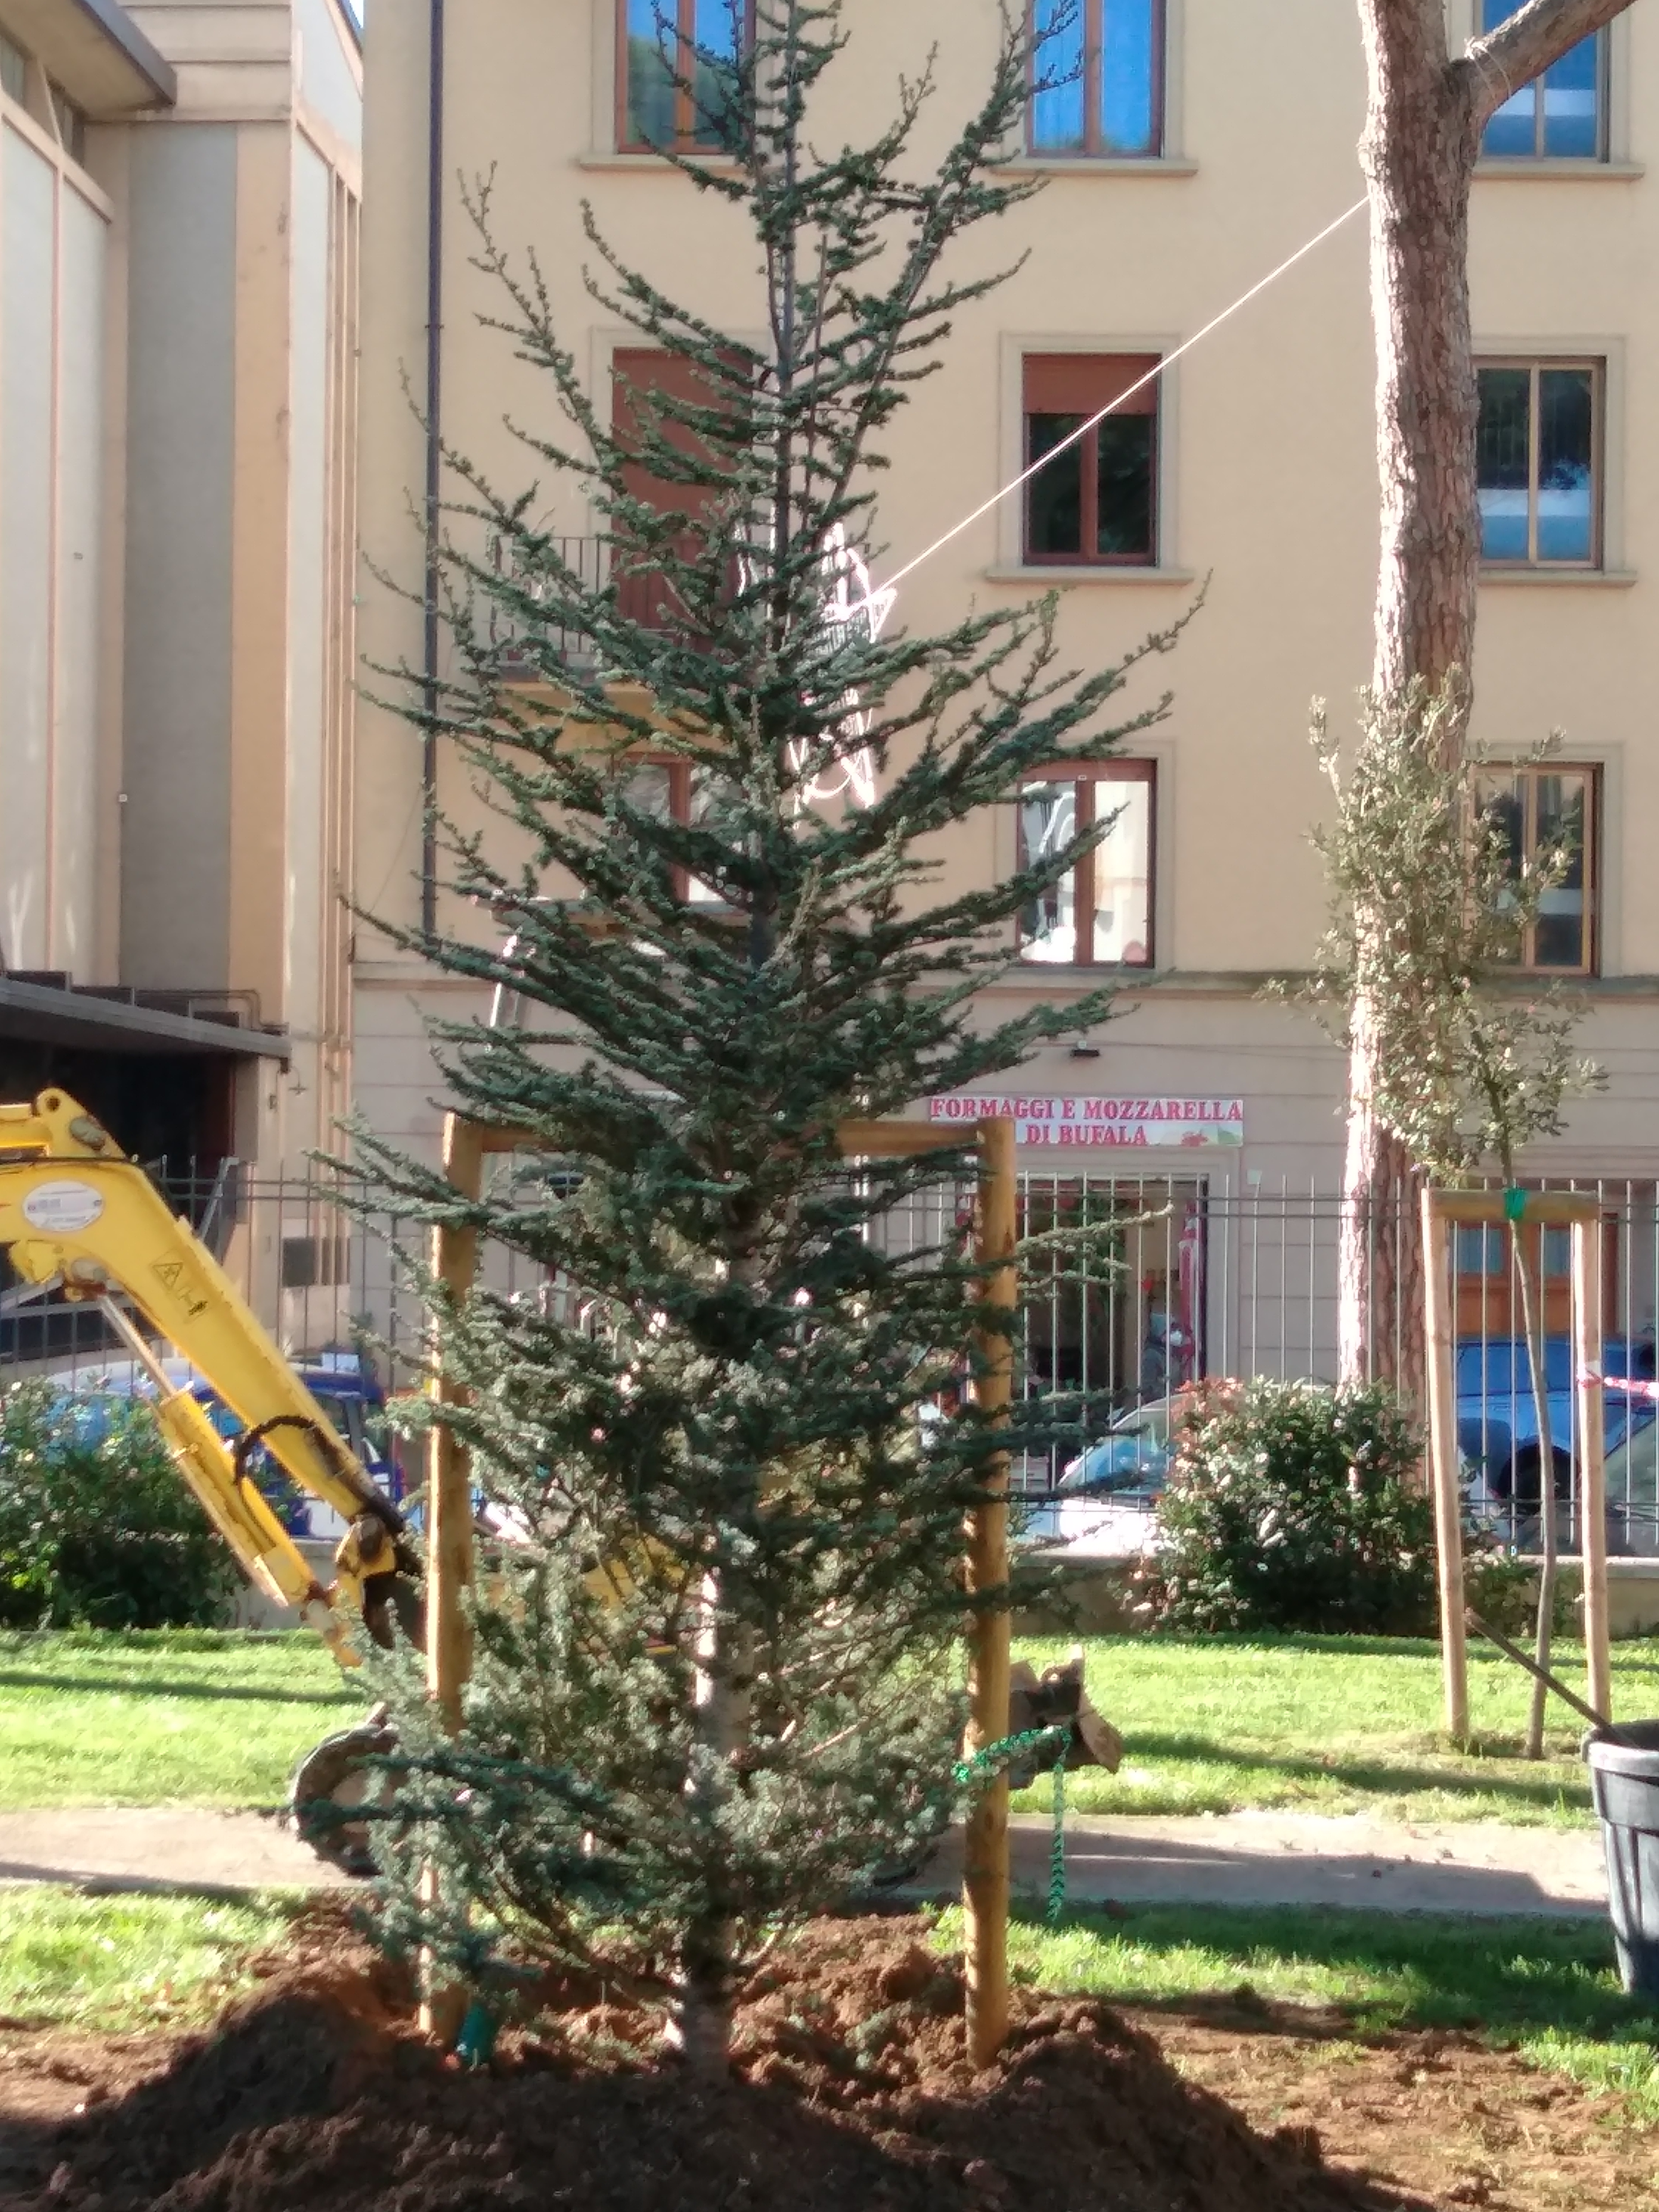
pixel 1418 152
pixel 702 2027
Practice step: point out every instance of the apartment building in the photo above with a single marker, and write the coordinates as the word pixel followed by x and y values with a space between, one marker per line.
pixel 179 183
pixel 1194 146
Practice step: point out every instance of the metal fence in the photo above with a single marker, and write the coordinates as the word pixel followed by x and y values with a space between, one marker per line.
pixel 1161 1280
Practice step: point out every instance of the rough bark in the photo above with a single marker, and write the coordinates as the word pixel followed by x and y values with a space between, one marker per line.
pixel 1424 115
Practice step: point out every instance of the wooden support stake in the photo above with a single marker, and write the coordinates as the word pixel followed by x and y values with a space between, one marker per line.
pixel 985 1854
pixel 449 1528
pixel 1587 1353
pixel 1442 1459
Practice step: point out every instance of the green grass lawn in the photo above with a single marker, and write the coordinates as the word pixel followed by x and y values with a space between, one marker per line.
pixel 176 1716
pixel 1331 1724
pixel 1305 1723
pixel 124 1963
pixel 1546 1988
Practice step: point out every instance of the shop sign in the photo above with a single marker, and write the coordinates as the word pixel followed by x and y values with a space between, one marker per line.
pixel 1088 1121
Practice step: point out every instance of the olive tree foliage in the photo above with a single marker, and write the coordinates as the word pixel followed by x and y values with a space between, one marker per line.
pixel 1471 1062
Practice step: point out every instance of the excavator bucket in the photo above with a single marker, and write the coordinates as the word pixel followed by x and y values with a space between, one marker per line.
pixel 1049 1700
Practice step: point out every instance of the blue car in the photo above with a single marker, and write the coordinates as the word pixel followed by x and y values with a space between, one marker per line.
pixel 343 1385
pixel 1497 1424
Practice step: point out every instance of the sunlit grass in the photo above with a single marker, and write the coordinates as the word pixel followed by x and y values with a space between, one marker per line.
pixel 123 1963
pixel 1548 1989
pixel 170 1716
pixel 1330 1725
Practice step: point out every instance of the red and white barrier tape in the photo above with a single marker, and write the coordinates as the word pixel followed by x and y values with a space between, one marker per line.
pixel 1627 1386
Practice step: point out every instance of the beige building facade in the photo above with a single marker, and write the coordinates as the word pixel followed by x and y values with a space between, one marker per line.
pixel 179 186
pixel 1201 144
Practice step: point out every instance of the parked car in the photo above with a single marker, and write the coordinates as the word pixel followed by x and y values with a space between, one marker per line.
pixel 1101 1505
pixel 1132 1458
pixel 343 1383
pixel 1497 1424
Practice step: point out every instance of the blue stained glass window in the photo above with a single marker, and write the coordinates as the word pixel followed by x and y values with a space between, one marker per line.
pixel 1128 76
pixel 1097 77
pixel 1560 119
pixel 1059 103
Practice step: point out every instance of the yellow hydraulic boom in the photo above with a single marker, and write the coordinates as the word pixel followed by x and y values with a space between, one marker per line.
pixel 75 1210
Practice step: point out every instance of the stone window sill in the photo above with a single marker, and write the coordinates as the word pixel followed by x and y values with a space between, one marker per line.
pixel 1066 574
pixel 657 164
pixel 1606 580
pixel 1098 165
pixel 1560 171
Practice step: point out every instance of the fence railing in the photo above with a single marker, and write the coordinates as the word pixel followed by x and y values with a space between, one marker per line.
pixel 1161 1280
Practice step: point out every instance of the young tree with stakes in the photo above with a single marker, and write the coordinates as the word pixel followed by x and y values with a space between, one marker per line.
pixel 1425 115
pixel 1469 1066
pixel 714 1676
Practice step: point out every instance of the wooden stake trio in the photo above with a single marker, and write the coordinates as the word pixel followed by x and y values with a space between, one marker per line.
pixel 450 1549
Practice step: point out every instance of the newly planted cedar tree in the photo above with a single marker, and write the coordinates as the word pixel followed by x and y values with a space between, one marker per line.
pixel 1426 113
pixel 714 1677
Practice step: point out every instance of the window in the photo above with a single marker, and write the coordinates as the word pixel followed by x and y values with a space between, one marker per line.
pixel 673 791
pixel 1100 913
pixel 1544 809
pixel 1538 459
pixel 1560 118
pixel 676 70
pixel 71 125
pixel 1097 78
pixel 14 70
pixel 1095 503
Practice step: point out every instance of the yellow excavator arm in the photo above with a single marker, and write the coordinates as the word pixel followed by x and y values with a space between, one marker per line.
pixel 75 1210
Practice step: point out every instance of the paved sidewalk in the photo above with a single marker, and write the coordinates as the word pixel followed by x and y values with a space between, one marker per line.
pixel 1237 1858
pixel 1271 1858
pixel 157 1847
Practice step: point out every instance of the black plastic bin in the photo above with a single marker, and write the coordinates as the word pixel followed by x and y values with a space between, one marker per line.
pixel 1623 1764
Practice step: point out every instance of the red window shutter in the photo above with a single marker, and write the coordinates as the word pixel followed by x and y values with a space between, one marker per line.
pixel 633 370
pixel 1083 383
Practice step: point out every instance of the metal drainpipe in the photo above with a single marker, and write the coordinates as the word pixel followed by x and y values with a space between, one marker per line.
pixel 434 301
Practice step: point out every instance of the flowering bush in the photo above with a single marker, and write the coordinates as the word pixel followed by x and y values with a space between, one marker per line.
pixel 97 1528
pixel 1290 1505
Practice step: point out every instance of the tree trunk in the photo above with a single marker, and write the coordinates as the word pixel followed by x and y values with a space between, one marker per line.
pixel 1418 152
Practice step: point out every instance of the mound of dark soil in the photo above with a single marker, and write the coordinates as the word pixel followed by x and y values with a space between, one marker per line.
pixel 850 2093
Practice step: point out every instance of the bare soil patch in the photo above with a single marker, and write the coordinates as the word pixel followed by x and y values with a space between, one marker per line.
pixel 851 2093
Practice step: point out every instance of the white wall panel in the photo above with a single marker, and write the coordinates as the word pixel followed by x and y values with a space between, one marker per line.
pixel 27 184
pixel 307 579
pixel 80 532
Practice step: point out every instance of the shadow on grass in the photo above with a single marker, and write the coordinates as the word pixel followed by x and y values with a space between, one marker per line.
pixel 151 1685
pixel 1504 1977
pixel 1376 1778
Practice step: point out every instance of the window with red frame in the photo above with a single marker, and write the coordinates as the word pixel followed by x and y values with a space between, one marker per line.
pixel 1099 913
pixel 1094 504
pixel 676 72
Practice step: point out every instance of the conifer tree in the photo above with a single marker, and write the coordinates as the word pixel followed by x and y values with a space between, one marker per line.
pixel 715 1675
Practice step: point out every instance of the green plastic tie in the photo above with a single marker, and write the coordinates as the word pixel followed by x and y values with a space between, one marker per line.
pixel 1515 1206
pixel 1057 1846
pixel 477 2037
pixel 996 1756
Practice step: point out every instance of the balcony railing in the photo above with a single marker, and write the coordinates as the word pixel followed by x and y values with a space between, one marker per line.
pixel 644 596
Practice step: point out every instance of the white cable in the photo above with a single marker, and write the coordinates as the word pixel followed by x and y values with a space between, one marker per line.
pixel 1083 429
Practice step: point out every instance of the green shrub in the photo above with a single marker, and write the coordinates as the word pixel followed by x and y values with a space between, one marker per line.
pixel 97 1528
pixel 1290 1505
